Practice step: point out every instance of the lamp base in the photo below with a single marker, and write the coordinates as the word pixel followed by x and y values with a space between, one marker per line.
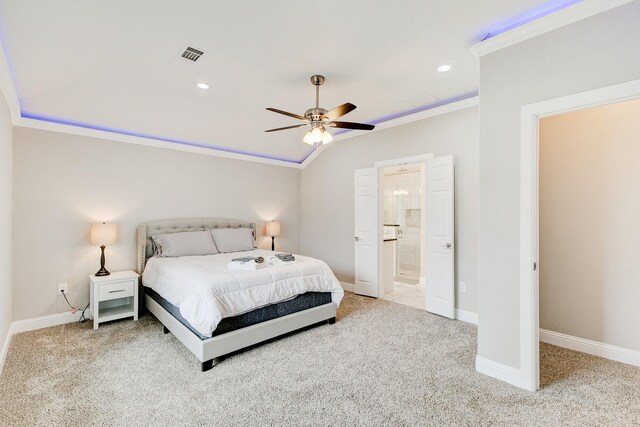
pixel 102 272
pixel 273 243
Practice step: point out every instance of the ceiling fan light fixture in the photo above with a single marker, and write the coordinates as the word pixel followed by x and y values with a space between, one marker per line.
pixel 316 134
pixel 326 137
pixel 308 139
pixel 318 118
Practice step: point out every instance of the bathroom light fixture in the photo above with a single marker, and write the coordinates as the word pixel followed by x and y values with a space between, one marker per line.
pixel 444 68
pixel 203 85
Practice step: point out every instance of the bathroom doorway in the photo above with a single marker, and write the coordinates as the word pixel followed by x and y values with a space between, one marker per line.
pixel 435 251
pixel 402 215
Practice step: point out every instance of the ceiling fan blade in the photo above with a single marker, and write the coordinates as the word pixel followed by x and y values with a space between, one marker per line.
pixel 339 111
pixel 351 125
pixel 286 127
pixel 295 116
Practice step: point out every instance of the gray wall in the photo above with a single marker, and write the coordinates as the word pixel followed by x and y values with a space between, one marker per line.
pixel 327 190
pixel 6 202
pixel 590 224
pixel 592 53
pixel 63 183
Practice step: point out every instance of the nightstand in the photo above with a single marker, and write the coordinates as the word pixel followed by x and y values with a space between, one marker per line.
pixel 114 296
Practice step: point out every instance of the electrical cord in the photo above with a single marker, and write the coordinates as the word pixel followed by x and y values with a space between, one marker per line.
pixel 82 318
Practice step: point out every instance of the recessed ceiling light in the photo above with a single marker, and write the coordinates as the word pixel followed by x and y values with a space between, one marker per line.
pixel 445 67
pixel 203 86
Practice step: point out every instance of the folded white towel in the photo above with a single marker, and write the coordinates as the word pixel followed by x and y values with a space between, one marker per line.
pixel 245 265
pixel 274 260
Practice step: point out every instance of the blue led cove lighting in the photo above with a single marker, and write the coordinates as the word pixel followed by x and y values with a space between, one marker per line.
pixel 525 18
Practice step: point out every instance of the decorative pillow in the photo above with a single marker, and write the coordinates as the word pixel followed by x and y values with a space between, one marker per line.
pixel 233 239
pixel 184 244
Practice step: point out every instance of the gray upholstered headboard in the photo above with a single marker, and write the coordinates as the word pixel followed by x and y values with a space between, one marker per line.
pixel 145 231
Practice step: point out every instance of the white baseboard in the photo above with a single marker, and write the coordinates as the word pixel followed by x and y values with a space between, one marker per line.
pixel 595 348
pixel 5 348
pixel 44 321
pixel 467 316
pixel 348 286
pixel 498 370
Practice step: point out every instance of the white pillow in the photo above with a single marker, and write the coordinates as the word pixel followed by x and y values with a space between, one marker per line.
pixel 185 244
pixel 233 239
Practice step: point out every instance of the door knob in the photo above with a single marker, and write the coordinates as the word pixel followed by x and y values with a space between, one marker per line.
pixel 448 246
pixel 357 238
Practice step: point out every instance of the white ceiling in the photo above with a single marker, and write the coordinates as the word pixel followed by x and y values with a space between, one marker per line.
pixel 115 64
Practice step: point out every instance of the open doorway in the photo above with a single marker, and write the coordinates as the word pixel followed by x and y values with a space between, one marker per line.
pixel 589 233
pixel 402 206
pixel 436 248
pixel 530 257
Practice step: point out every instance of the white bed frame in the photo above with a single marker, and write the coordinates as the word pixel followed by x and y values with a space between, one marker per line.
pixel 207 350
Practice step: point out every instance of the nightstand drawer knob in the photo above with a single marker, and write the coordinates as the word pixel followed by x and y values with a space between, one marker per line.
pixel 119 290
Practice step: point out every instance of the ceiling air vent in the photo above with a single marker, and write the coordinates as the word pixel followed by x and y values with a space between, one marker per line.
pixel 192 54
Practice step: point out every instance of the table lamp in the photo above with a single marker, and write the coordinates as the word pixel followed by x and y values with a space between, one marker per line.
pixel 103 234
pixel 273 230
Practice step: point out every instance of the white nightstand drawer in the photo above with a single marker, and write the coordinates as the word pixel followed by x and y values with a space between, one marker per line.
pixel 116 290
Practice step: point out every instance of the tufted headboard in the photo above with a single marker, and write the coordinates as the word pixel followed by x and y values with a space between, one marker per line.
pixel 145 231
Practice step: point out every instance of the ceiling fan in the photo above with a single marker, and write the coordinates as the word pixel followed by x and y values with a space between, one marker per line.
pixel 319 118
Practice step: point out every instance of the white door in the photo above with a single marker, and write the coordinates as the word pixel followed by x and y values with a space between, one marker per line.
pixel 366 232
pixel 439 250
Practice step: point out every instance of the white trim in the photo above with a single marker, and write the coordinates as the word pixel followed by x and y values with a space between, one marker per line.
pixel 32 324
pixel 349 287
pixel 529 287
pixel 545 24
pixel 380 165
pixel 315 154
pixel 433 112
pixel 463 104
pixel 498 370
pixel 7 88
pixel 595 348
pixel 26 325
pixel 149 142
pixel 403 160
pixel 467 316
pixel 5 347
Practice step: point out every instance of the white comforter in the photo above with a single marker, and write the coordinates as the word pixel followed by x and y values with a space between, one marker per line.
pixel 206 291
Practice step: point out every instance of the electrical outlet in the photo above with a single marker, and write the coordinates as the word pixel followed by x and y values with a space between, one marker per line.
pixel 62 287
pixel 463 288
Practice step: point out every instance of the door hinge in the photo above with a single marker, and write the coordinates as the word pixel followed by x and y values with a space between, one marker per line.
pixel 535 266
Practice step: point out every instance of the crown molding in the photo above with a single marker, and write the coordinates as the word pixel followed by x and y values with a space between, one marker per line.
pixel 548 23
pixel 7 87
pixel 463 104
pixel 149 142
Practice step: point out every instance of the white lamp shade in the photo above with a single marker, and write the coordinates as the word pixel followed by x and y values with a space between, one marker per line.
pixel 326 137
pixel 103 234
pixel 308 139
pixel 273 228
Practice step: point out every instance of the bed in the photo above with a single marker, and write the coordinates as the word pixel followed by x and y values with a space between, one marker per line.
pixel 215 311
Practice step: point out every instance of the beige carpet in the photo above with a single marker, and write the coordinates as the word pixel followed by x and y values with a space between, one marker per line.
pixel 381 364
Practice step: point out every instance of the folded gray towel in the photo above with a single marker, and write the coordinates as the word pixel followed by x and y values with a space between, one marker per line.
pixel 286 257
pixel 258 260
